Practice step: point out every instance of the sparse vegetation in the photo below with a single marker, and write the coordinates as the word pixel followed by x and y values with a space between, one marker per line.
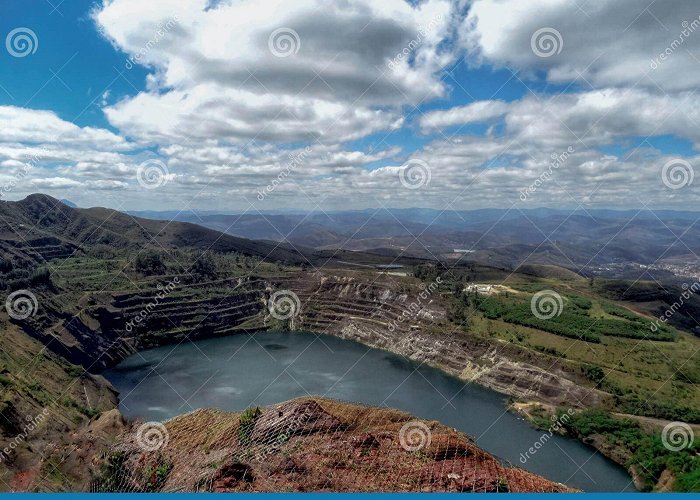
pixel 113 475
pixel 157 474
pixel 246 424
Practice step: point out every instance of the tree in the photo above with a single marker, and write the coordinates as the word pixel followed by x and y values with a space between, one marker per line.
pixel 150 263
pixel 204 266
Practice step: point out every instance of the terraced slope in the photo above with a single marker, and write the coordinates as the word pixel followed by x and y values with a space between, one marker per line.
pixel 96 305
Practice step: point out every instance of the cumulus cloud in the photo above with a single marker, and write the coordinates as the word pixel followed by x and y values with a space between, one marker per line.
pixel 228 109
pixel 39 151
pixel 480 111
pixel 211 112
pixel 591 118
pixel 217 74
pixel 603 43
pixel 22 125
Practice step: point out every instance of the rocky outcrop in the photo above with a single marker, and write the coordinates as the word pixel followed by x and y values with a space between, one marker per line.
pixel 407 318
pixel 310 444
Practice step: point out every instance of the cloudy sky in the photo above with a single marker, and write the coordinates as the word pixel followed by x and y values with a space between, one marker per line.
pixel 235 105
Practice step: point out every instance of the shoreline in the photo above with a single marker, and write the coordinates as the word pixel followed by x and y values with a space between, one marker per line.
pixel 505 399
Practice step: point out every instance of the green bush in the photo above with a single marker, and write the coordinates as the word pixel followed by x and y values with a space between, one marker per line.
pixel 573 321
pixel 157 475
pixel 204 266
pixel 150 263
pixel 246 424
pixel 594 374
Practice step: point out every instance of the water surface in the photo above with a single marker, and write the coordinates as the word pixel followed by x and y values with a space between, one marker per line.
pixel 236 372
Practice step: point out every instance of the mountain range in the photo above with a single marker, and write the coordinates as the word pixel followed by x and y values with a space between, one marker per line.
pixel 606 242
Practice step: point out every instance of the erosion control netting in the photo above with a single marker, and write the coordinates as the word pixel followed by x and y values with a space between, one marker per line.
pixel 308 444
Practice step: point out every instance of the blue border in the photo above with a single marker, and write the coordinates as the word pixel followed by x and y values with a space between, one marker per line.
pixel 373 496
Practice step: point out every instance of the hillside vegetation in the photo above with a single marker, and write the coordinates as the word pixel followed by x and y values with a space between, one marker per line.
pixel 94 272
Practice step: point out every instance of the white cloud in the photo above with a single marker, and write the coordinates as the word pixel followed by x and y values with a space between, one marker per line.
pixel 24 125
pixel 210 112
pixel 226 116
pixel 217 79
pixel 591 118
pixel 54 183
pixel 480 111
pixel 605 43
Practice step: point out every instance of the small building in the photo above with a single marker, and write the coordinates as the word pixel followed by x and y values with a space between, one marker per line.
pixel 478 288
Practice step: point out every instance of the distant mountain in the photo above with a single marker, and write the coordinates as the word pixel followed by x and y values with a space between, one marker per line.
pixel 578 240
pixel 69 203
pixel 41 225
pixel 43 228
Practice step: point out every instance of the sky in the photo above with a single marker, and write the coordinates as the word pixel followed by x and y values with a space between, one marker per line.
pixel 261 105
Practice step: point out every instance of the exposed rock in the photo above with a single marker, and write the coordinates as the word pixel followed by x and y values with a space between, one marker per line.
pixel 232 476
pixel 448 446
pixel 328 446
pixel 666 481
pixel 293 418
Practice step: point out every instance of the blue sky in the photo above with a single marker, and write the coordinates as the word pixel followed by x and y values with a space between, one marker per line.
pixel 471 114
pixel 85 64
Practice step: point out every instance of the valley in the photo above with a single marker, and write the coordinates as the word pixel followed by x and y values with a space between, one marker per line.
pixel 608 243
pixel 109 285
pixel 356 246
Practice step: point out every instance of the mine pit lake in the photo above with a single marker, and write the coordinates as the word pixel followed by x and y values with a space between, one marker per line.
pixel 236 372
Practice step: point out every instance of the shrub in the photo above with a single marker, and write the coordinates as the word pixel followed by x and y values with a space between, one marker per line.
pixel 157 475
pixel 594 374
pixel 246 424
pixel 647 451
pixel 149 263
pixel 204 266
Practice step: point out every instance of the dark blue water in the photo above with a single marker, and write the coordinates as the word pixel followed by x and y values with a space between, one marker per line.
pixel 233 373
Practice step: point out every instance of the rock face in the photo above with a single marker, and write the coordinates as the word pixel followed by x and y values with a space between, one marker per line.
pixel 388 312
pixel 398 315
pixel 310 444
